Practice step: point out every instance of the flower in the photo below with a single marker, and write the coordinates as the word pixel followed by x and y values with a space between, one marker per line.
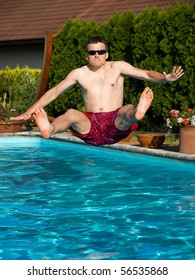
pixel 178 119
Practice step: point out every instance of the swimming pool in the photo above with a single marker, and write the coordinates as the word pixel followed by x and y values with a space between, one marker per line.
pixel 62 200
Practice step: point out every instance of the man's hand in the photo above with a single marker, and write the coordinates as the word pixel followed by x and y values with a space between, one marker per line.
pixel 174 75
pixel 25 116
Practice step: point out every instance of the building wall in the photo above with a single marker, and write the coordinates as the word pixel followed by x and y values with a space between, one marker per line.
pixel 27 55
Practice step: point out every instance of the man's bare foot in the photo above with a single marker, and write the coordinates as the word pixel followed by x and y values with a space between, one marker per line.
pixel 144 103
pixel 42 122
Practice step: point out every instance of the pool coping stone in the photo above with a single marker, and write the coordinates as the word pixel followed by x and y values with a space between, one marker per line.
pixel 65 136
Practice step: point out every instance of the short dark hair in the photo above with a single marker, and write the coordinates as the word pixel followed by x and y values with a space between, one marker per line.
pixel 95 40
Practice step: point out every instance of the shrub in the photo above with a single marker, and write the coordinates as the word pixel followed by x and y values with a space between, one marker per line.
pixel 18 87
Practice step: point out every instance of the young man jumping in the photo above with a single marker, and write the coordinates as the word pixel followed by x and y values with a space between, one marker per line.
pixel 106 120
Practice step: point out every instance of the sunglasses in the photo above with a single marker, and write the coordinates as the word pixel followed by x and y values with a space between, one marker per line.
pixel 100 52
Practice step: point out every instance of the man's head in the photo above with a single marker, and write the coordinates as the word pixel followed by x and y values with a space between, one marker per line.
pixel 96 52
pixel 95 40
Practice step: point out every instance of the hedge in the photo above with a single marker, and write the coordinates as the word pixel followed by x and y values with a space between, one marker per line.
pixel 18 87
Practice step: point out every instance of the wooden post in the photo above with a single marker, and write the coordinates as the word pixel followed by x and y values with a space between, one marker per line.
pixel 46 65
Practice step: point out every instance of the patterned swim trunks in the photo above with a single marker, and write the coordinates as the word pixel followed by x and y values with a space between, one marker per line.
pixel 103 130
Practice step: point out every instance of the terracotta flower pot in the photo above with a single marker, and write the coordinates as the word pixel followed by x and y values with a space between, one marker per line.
pixel 151 140
pixel 187 139
pixel 12 126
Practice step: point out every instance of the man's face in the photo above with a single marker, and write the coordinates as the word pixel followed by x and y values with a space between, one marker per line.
pixel 97 55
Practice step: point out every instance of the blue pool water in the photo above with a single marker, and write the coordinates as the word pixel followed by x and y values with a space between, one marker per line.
pixel 62 200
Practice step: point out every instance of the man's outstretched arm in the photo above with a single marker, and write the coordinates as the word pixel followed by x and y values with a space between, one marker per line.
pixel 50 95
pixel 150 75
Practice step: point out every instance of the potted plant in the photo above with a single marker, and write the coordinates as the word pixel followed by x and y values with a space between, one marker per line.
pixel 17 90
pixel 178 118
pixel 6 125
pixel 6 111
pixel 184 122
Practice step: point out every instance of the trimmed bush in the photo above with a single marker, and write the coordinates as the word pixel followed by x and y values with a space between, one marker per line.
pixel 18 87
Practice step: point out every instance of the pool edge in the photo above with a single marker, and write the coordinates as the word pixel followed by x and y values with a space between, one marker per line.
pixel 125 147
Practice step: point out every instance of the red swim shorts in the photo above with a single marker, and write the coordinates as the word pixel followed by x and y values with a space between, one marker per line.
pixel 103 130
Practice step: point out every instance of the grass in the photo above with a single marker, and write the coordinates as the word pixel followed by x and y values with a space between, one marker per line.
pixel 172 140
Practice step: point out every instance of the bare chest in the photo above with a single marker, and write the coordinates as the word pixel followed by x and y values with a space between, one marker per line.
pixel 101 82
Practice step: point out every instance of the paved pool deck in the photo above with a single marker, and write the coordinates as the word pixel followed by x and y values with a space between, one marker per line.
pixel 165 150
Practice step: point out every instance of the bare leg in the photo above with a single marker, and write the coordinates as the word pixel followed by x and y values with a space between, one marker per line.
pixel 128 114
pixel 72 118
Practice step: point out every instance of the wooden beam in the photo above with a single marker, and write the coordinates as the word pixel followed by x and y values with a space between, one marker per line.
pixel 46 65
